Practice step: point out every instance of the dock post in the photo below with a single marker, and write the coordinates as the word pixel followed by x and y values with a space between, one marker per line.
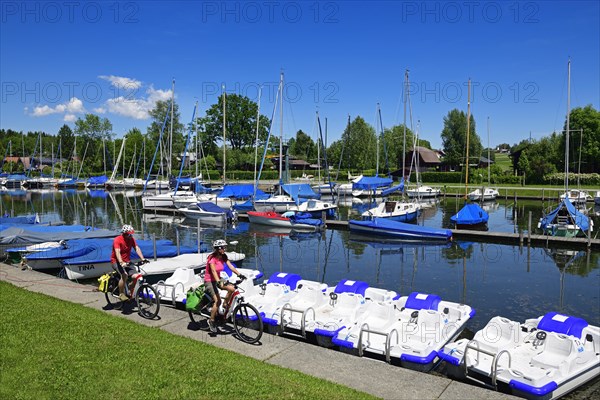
pixel 589 243
pixel 85 213
pixel 154 245
pixel 177 240
pixel 529 230
pixel 505 194
pixel 543 194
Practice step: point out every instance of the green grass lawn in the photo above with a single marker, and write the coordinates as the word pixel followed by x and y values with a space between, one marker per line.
pixel 55 349
pixel 503 161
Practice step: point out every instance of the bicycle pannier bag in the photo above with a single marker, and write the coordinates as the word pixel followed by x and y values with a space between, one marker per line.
pixel 103 283
pixel 193 298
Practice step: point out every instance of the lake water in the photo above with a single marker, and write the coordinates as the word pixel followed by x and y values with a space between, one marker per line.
pixel 517 283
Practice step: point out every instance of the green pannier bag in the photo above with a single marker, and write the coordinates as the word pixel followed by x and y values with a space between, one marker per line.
pixel 193 298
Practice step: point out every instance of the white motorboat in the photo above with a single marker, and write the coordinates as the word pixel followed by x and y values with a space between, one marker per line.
pixel 488 194
pixel 409 331
pixel 394 210
pixel 576 196
pixel 316 208
pixel 208 212
pixel 345 189
pixel 423 192
pixel 543 358
pixel 277 203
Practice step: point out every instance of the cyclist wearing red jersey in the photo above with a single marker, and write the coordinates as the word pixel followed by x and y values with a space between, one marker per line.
pixel 121 256
pixel 212 278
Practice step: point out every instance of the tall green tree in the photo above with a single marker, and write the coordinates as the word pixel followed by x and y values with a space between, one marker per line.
pixel 66 139
pixel 454 138
pixel 584 137
pixel 92 127
pixel 303 147
pixel 359 147
pixel 240 121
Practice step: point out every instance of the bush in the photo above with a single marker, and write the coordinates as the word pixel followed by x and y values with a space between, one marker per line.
pixel 584 179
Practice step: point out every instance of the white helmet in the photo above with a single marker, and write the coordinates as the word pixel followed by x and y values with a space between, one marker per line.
pixel 219 243
pixel 127 229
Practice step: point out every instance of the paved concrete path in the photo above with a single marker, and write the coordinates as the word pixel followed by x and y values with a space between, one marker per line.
pixel 364 374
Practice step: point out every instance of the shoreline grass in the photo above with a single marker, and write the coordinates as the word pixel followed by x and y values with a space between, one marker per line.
pixel 55 349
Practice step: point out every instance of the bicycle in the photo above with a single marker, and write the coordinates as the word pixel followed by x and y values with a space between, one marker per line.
pixel 146 298
pixel 246 319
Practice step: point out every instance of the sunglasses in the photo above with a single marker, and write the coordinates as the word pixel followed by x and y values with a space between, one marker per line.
pixel 221 248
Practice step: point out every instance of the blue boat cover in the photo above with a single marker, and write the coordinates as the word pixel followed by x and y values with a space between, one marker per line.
pixel 242 191
pixel 391 190
pixel 371 182
pixel 385 225
pixel 79 247
pixel 348 286
pixel 580 219
pixel 98 180
pixel 305 218
pixel 31 219
pixel 212 207
pixel 248 205
pixel 103 253
pixel 283 278
pixel 422 301
pixel 300 190
pixel 470 214
pixel 16 177
pixel 559 323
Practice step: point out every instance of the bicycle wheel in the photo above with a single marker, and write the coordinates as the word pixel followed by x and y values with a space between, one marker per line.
pixel 147 301
pixel 247 323
pixel 113 299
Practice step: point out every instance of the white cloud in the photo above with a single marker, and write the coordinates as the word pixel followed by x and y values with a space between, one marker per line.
pixel 122 82
pixel 70 118
pixel 100 110
pixel 73 106
pixel 138 108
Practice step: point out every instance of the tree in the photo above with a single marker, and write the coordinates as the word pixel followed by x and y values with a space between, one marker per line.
pixel 66 139
pixel 585 136
pixel 302 146
pixel 240 121
pixel 94 128
pixel 454 138
pixel 359 142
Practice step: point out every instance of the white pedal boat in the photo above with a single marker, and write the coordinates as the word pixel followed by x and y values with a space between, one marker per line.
pixel 408 332
pixel 543 358
pixel 324 314
pixel 270 296
pixel 174 289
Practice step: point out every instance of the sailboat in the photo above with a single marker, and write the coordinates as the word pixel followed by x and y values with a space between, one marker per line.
pixel 471 216
pixel 565 220
pixel 279 202
pixel 486 193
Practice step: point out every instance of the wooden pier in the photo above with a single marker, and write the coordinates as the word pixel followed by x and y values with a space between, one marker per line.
pixel 520 239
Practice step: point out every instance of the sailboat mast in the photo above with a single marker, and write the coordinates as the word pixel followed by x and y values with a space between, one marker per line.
pixel 488 132
pixel 256 140
pixel 468 126
pixel 224 130
pixel 404 134
pixel 281 133
pixel 567 128
pixel 377 141
pixel 171 129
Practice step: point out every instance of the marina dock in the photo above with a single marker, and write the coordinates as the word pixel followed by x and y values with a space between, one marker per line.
pixel 522 238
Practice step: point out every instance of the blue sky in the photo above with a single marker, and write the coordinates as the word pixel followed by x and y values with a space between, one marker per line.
pixel 60 60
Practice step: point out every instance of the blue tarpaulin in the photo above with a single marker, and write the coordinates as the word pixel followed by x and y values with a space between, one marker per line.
pixel 213 208
pixel 371 182
pixel 399 187
pixel 300 190
pixel 580 219
pixel 470 214
pixel 243 191
pixel 97 180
